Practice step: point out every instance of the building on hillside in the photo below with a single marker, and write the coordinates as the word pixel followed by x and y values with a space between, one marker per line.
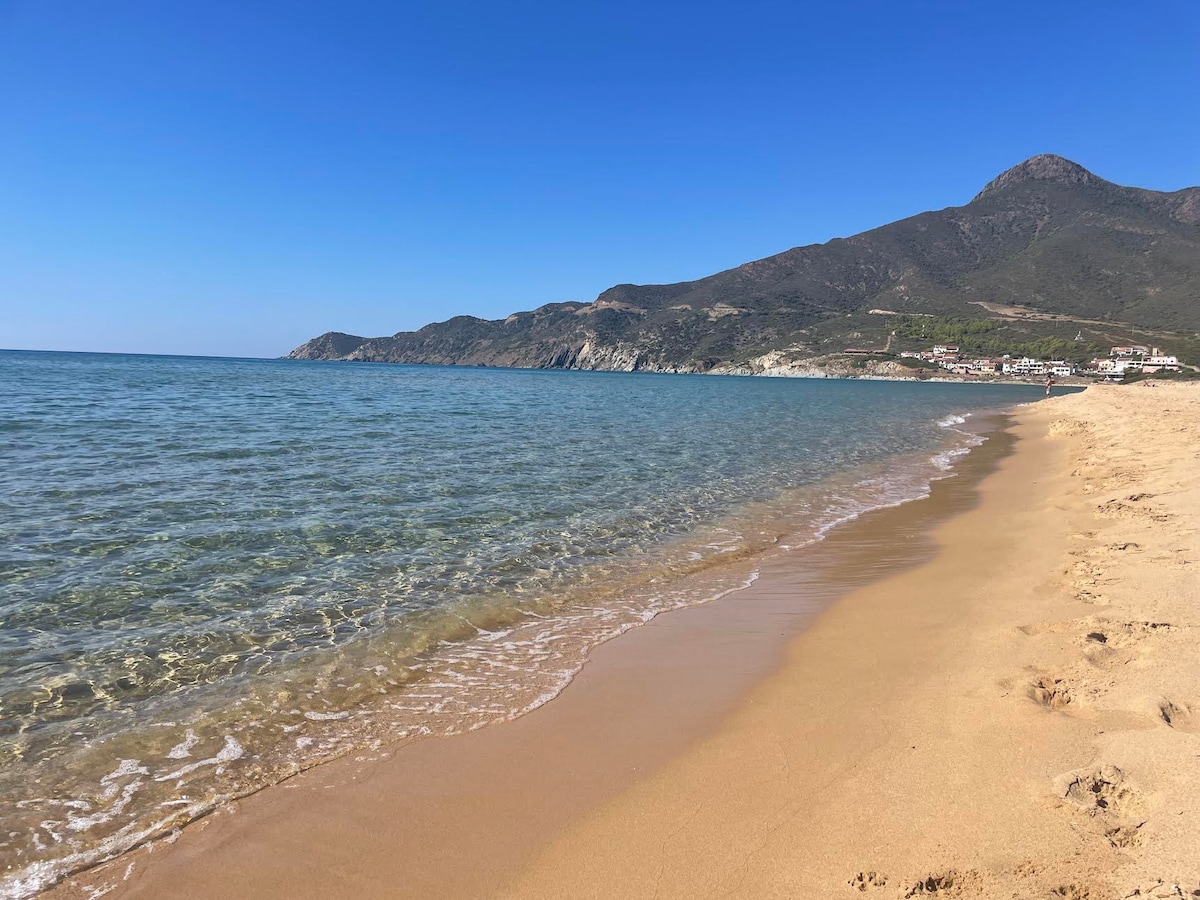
pixel 1159 362
pixel 1060 368
pixel 1026 365
pixel 1132 350
pixel 1116 367
pixel 985 366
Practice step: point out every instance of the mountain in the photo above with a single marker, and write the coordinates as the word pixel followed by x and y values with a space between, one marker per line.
pixel 1045 248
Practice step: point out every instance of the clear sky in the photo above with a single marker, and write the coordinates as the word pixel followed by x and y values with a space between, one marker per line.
pixel 232 178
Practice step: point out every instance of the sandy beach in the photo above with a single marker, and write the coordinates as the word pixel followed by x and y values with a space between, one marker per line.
pixel 994 692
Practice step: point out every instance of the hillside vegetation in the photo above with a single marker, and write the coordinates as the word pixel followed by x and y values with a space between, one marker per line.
pixel 1100 264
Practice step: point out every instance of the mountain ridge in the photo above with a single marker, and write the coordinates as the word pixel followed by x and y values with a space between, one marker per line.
pixel 1046 234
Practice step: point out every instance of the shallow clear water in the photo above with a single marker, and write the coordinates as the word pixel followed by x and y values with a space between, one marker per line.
pixel 214 572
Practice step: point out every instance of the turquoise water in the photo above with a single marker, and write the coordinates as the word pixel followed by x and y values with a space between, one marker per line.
pixel 215 572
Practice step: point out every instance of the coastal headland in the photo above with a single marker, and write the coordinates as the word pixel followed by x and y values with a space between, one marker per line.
pixel 997 276
pixel 993 692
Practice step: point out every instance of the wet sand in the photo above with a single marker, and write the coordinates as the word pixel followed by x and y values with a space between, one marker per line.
pixel 988 693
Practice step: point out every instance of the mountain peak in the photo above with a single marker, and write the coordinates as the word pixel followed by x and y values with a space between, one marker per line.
pixel 1044 167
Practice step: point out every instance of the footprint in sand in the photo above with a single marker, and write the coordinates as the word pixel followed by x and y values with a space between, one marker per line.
pixel 1108 549
pixel 1125 837
pixel 1162 890
pixel 950 883
pixel 1133 507
pixel 1105 790
pixel 868 881
pixel 1120 478
pixel 1050 692
pixel 1130 634
pixel 1179 716
pixel 1086 570
pixel 1075 892
pixel 1028 869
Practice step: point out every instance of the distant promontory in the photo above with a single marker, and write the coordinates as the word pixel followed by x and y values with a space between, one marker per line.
pixel 1047 252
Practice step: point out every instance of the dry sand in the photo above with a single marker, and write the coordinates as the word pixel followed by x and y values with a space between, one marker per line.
pixel 1018 716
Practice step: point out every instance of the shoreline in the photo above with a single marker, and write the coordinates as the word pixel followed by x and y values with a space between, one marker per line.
pixel 814 374
pixel 1017 717
pixel 689 636
pixel 1003 701
pixel 133 771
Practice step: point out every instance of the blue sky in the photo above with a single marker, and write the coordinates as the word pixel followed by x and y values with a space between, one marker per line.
pixel 233 178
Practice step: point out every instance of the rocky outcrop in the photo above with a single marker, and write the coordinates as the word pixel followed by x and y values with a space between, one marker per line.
pixel 1045 167
pixel 330 345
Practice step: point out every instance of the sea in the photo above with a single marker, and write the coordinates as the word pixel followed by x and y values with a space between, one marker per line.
pixel 215 573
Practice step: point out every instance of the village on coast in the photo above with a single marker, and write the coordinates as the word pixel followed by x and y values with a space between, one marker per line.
pixel 1120 363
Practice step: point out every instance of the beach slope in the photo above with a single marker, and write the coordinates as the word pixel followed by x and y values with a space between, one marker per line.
pixel 1017 718
pixel 1005 706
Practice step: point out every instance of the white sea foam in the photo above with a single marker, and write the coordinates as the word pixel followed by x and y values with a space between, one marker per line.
pixel 231 751
pixel 947 458
pixel 127 767
pixel 38 876
pixel 85 823
pixel 183 749
pixel 954 419
pixel 327 717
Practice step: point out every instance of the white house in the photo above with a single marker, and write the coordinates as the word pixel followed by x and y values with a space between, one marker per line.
pixel 1160 363
pixel 1026 365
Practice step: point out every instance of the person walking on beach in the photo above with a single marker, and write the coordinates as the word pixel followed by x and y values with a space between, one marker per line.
pixel 1049 384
